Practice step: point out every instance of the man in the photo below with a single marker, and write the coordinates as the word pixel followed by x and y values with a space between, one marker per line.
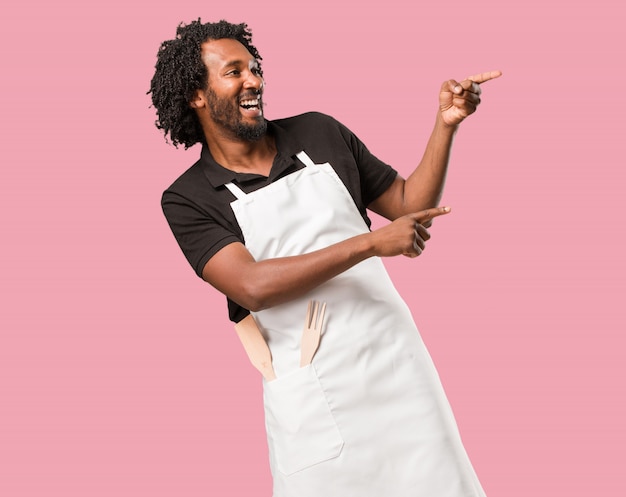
pixel 273 215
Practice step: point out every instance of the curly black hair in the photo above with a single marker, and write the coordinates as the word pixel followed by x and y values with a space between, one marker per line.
pixel 180 71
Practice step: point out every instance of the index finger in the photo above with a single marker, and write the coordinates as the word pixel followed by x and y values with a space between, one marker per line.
pixel 428 214
pixel 484 76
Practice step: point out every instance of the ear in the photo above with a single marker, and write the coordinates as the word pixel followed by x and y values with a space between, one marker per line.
pixel 198 101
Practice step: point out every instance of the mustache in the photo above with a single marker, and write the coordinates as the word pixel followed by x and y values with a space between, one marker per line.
pixel 250 94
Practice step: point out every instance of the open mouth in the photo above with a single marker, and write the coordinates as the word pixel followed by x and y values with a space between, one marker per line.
pixel 250 103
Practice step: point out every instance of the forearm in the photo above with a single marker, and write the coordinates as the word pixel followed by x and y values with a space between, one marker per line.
pixel 424 187
pixel 258 285
pixel 283 279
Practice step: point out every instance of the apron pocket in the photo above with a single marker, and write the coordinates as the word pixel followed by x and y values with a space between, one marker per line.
pixel 300 426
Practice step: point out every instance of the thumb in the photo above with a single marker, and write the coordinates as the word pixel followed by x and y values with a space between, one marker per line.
pixel 455 87
pixel 451 86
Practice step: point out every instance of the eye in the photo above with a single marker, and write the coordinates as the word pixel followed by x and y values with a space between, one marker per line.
pixel 233 72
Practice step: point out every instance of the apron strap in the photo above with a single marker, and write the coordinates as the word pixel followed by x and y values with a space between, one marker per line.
pixel 305 159
pixel 236 191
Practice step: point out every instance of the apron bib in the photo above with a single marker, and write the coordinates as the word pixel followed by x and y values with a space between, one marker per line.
pixel 368 417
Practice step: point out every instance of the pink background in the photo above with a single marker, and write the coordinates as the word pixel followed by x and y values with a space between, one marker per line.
pixel 119 372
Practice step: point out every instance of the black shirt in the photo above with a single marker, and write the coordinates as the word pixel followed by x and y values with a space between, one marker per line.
pixel 197 204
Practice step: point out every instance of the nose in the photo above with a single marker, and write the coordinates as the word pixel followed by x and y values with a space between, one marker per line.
pixel 254 81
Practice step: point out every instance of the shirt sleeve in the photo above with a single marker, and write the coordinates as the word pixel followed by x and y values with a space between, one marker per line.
pixel 198 234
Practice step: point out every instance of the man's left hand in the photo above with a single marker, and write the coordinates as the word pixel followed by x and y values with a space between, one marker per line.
pixel 459 100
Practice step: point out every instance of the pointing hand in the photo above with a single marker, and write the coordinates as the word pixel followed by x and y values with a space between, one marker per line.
pixel 459 100
pixel 407 235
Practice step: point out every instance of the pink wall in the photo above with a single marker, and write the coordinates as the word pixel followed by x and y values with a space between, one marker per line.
pixel 119 372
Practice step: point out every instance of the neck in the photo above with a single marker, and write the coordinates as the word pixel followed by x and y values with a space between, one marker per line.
pixel 243 156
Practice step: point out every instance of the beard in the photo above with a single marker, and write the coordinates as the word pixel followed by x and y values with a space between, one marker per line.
pixel 226 113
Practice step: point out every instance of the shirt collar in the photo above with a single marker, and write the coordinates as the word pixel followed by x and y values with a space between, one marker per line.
pixel 286 147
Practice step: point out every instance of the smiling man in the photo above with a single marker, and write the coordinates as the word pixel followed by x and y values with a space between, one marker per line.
pixel 274 216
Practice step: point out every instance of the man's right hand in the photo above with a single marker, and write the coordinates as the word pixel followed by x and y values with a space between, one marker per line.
pixel 407 235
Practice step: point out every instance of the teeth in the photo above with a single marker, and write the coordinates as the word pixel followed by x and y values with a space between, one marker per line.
pixel 250 103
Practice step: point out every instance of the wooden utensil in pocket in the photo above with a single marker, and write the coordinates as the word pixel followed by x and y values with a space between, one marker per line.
pixel 255 346
pixel 312 331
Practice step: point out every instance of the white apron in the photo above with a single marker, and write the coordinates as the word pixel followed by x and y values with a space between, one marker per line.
pixel 368 417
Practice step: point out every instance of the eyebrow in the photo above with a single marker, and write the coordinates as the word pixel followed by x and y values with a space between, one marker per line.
pixel 233 63
pixel 239 62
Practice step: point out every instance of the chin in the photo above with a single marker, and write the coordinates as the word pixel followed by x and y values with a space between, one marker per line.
pixel 252 132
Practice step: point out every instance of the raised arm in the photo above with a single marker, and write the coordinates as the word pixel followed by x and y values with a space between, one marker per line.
pixel 424 187
pixel 257 285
